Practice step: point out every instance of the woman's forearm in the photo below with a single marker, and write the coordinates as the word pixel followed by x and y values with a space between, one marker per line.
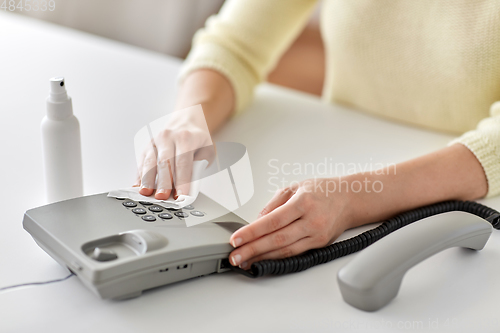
pixel 213 91
pixel 313 213
pixel 452 173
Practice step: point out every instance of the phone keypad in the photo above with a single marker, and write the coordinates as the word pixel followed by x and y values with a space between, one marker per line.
pixel 151 212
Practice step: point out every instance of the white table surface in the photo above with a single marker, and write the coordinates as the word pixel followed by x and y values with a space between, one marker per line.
pixel 116 89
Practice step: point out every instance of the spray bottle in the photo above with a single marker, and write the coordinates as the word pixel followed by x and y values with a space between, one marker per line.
pixel 61 146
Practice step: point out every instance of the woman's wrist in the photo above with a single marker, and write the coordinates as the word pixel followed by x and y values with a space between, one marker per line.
pixel 212 91
pixel 365 195
pixel 452 173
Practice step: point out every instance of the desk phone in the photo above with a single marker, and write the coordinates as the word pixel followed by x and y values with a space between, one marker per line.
pixel 120 247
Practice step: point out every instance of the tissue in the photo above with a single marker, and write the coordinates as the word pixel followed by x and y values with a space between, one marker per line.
pixel 181 201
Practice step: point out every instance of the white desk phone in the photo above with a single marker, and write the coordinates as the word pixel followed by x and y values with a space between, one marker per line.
pixel 120 247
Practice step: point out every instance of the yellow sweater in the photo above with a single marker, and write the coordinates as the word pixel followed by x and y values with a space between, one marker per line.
pixel 431 63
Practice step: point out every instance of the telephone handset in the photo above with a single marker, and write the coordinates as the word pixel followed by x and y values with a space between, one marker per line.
pixel 372 279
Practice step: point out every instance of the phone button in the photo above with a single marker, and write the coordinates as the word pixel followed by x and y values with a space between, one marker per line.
pixel 181 214
pixel 149 218
pixel 197 213
pixel 165 216
pixel 139 211
pixel 156 209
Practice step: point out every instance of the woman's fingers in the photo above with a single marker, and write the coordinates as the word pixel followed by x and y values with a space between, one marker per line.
pixel 291 250
pixel 148 173
pixel 277 219
pixel 205 153
pixel 276 241
pixel 280 197
pixel 166 154
pixel 165 185
pixel 137 182
pixel 183 163
pixel 139 169
pixel 168 161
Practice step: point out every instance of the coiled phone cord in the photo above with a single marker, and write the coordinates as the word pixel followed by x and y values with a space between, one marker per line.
pixel 339 249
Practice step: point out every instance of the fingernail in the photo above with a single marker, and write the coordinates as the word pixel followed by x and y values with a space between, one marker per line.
pixel 161 191
pixel 244 265
pixel 236 242
pixel 236 260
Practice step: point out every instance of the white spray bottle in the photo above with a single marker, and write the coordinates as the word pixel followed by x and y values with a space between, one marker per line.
pixel 62 157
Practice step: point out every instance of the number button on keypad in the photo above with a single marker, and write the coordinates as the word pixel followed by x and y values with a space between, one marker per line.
pixel 197 213
pixel 156 209
pixel 166 216
pixel 181 214
pixel 149 218
pixel 139 211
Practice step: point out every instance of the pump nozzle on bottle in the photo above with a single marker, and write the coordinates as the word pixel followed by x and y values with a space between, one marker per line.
pixel 57 89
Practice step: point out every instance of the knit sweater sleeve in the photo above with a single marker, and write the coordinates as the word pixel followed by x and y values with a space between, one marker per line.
pixel 484 142
pixel 245 40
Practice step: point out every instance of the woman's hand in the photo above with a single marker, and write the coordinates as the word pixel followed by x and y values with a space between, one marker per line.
pixel 296 219
pixel 312 215
pixel 177 145
pixel 167 163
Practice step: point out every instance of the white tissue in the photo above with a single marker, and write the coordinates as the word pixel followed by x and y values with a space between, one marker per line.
pixel 181 201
